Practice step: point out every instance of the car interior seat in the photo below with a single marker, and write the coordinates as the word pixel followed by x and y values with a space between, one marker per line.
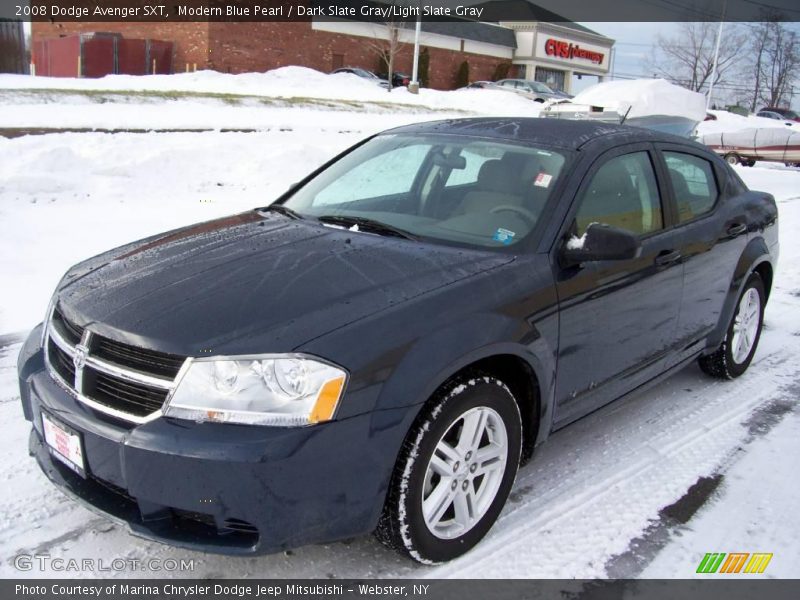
pixel 497 185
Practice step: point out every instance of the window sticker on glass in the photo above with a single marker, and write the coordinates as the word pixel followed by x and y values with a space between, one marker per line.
pixel 543 180
pixel 504 236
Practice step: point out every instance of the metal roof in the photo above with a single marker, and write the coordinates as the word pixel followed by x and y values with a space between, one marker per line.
pixel 523 10
pixel 464 29
pixel 489 33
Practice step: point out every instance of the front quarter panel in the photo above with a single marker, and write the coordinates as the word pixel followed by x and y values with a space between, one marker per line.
pixel 400 356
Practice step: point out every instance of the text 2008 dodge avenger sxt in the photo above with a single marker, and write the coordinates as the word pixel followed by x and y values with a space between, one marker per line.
pixel 379 349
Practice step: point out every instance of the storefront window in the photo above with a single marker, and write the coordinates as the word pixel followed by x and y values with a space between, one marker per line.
pixel 552 78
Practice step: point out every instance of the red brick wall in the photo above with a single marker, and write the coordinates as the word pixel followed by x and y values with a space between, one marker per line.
pixel 239 48
pixel 248 47
pixel 191 39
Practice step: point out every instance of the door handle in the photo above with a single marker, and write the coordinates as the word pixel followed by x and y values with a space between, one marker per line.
pixel 736 230
pixel 667 257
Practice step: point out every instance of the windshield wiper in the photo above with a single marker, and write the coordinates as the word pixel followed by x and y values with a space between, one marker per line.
pixel 284 210
pixel 368 225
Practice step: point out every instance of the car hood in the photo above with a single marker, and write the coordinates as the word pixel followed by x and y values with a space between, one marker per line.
pixel 255 282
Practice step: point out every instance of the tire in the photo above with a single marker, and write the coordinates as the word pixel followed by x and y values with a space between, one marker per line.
pixel 750 162
pixel 446 480
pixel 732 359
pixel 732 158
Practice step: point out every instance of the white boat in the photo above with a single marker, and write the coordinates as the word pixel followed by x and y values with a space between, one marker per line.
pixel 746 146
pixel 650 103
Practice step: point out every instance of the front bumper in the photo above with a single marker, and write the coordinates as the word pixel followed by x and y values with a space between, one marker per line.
pixel 232 489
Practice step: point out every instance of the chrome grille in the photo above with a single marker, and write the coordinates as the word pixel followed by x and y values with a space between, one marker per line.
pixel 117 379
pixel 146 361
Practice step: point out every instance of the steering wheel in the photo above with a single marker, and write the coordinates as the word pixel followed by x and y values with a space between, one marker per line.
pixel 526 215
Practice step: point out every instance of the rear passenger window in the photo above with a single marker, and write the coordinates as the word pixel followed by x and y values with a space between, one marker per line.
pixel 623 193
pixel 693 183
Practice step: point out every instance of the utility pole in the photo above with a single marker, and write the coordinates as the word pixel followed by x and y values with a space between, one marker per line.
pixel 716 57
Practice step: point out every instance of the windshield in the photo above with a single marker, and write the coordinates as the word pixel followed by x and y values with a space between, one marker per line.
pixel 540 87
pixel 455 189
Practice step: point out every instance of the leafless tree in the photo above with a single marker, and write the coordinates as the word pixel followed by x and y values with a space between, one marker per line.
pixel 782 60
pixel 759 38
pixel 687 58
pixel 386 43
pixel 772 61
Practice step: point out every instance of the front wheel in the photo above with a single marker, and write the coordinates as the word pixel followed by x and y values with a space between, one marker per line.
pixel 741 340
pixel 455 471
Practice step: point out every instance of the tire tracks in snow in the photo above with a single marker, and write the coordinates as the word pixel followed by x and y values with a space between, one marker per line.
pixel 570 523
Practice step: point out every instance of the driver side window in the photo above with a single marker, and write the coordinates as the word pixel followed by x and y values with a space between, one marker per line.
pixel 622 193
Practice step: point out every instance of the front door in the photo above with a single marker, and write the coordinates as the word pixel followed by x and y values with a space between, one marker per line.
pixel 618 319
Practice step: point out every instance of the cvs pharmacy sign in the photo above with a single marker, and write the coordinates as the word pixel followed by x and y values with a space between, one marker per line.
pixel 570 51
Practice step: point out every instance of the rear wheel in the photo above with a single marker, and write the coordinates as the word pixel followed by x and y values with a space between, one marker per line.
pixel 736 352
pixel 455 471
pixel 732 158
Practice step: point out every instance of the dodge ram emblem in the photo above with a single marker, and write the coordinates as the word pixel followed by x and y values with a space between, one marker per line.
pixel 79 358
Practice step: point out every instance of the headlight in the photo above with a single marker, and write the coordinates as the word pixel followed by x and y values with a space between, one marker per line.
pixel 282 390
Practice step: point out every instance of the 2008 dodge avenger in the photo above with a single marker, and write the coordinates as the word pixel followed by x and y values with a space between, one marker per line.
pixel 379 349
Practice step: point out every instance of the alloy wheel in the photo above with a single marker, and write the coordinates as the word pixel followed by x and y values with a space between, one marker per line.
pixel 465 472
pixel 745 326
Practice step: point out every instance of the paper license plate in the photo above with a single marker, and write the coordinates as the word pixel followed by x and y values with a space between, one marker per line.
pixel 64 444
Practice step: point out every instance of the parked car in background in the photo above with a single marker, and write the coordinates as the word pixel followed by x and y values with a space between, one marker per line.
pixel 364 74
pixel 535 90
pixel 480 85
pixel 380 348
pixel 398 79
pixel 768 114
pixel 786 113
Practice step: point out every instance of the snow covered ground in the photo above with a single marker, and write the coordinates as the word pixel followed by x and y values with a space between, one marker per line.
pixel 213 100
pixel 607 496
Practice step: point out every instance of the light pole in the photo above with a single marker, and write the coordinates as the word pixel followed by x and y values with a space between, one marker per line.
pixel 413 87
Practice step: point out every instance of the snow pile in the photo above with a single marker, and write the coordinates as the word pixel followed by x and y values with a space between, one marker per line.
pixel 285 82
pixel 644 98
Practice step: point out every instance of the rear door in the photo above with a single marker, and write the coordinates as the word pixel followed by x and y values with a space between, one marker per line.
pixel 617 318
pixel 714 237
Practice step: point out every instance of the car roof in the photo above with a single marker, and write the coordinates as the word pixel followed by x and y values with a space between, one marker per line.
pixel 556 133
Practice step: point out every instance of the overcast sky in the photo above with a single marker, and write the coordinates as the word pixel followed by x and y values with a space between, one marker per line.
pixel 634 43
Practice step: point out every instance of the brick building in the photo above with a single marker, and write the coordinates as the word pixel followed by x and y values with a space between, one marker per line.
pixel 530 46
pixel 260 46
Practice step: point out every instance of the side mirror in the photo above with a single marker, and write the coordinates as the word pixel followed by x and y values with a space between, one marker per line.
pixel 601 242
